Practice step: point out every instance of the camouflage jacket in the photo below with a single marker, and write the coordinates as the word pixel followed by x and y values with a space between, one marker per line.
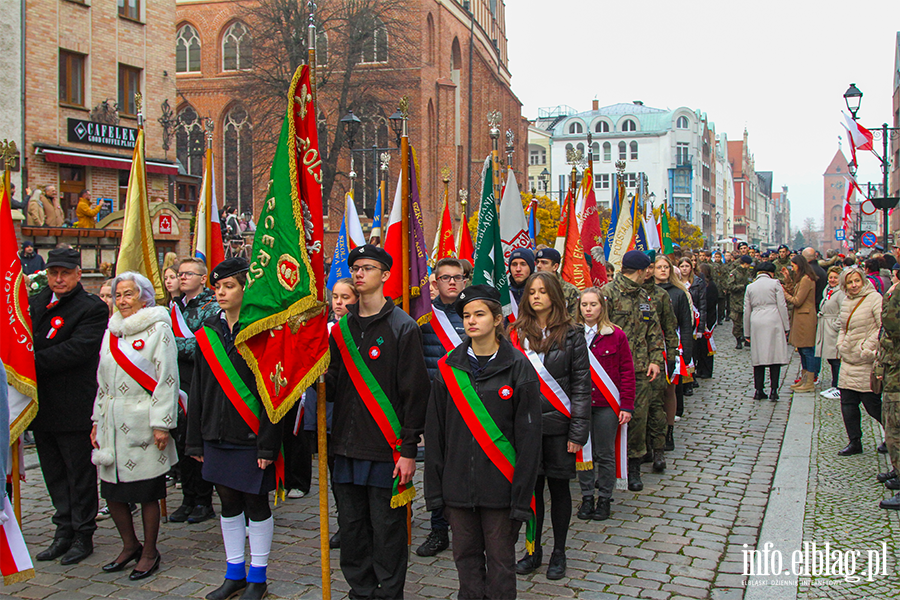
pixel 571 294
pixel 630 307
pixel 779 264
pixel 666 314
pixel 889 339
pixel 738 279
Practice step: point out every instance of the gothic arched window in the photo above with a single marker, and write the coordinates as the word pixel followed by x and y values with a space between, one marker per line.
pixel 237 52
pixel 190 142
pixel 187 50
pixel 238 159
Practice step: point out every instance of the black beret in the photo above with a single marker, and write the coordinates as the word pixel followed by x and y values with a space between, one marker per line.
pixel 371 252
pixel 550 254
pixel 635 260
pixel 784 246
pixel 746 259
pixel 482 291
pixel 742 244
pixel 765 267
pixel 229 268
pixel 68 258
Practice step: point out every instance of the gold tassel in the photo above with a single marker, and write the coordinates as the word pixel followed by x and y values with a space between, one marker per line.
pixel 18 577
pixel 529 547
pixel 584 466
pixel 403 498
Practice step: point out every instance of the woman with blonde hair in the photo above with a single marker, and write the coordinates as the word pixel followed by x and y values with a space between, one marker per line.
pixel 828 326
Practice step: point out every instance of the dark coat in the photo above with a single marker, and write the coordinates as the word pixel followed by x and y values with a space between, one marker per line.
pixel 821 282
pixel 434 350
pixel 712 301
pixel 67 364
pixel 201 308
pixel 685 318
pixel 31 264
pixel 211 415
pixel 698 297
pixel 457 471
pixel 400 371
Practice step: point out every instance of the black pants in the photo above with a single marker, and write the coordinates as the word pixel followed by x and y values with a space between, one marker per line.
pixel 723 307
pixel 71 480
pixel 374 553
pixel 703 358
pixel 850 400
pixel 196 490
pixel 484 549
pixel 759 376
pixel 679 398
pixel 835 370
pixel 297 457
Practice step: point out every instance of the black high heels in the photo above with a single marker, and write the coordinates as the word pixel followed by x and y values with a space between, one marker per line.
pixel 115 567
pixel 137 575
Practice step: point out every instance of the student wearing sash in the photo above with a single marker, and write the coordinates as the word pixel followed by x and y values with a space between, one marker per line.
pixel 611 406
pixel 230 434
pixel 444 332
pixel 197 304
pixel 482 449
pixel 521 266
pixel 134 410
pixel 378 380
pixel 555 346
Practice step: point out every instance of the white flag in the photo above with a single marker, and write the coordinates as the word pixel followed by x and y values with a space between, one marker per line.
pixel 513 224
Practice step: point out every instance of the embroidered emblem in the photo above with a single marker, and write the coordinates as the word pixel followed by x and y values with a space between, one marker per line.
pixel 167 420
pixel 152 329
pixel 374 352
pixel 138 344
pixel 144 445
pixel 125 428
pixel 124 387
pixel 288 272
pixel 170 381
pixel 505 392
pixel 55 324
pixel 162 459
pixel 130 465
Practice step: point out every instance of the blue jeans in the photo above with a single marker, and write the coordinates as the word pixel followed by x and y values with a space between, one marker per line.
pixel 809 360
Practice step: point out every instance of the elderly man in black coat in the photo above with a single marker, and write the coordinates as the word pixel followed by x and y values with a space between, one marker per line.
pixel 68 325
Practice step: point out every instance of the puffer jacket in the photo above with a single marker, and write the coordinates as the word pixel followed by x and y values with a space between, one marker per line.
pixel 829 323
pixel 434 349
pixel 570 366
pixel 857 342
pixel 457 471
pixel 684 315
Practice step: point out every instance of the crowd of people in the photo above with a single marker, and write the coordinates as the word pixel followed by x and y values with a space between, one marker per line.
pixel 565 385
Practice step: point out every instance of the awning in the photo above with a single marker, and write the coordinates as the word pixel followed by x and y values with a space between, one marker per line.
pixel 71 156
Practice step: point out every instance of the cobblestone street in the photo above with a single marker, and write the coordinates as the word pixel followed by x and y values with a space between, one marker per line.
pixel 682 537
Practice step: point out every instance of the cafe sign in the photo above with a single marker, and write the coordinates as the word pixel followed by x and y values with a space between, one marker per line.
pixel 101 134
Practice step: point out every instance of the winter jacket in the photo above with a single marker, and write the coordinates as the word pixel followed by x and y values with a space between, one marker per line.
pixel 803 317
pixel 829 323
pixel 766 321
pixel 667 320
pixel 630 308
pixel 200 309
pixel 681 305
pixel 66 365
pixel 31 264
pixel 87 215
pixel 434 350
pixel 398 366
pixel 457 471
pixel 124 412
pixel 857 342
pixel 211 415
pixel 712 303
pixel 698 296
pixel 889 354
pixel 821 281
pixel 610 347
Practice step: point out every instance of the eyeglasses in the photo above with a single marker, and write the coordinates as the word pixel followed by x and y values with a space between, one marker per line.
pixel 364 268
pixel 449 278
pixel 189 274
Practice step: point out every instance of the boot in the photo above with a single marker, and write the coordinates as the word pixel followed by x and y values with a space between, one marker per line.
pixel 892 484
pixel 800 381
pixel 601 513
pixel 634 475
pixel 854 447
pixel 586 509
pixel 740 345
pixel 229 589
pixel 892 503
pixel 437 541
pixel 557 568
pixel 807 384
pixel 530 562
pixel 882 448
pixel 670 438
pixel 773 395
pixel 760 395
pixel 648 458
pixel 255 591
pixel 659 461
pixel 882 477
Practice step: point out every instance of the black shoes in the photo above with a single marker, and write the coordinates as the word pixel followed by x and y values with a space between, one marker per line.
pixel 601 513
pixel 586 511
pixel 557 567
pixel 138 575
pixel 689 388
pixel 335 541
pixel 530 562
pixel 201 513
pixel 740 345
pixel 892 503
pixel 881 477
pixel 229 589
pixel 882 448
pixel 854 447
pixel 634 475
pixel 659 461
pixel 59 547
pixel 760 395
pixel 115 567
pixel 437 541
pixel 892 484
pixel 80 549
pixel 255 591
pixel 181 515
pixel 670 438
pixel 773 395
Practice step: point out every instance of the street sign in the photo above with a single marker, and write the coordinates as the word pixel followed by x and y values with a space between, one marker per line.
pixel 869 239
pixel 868 207
pixel 839 235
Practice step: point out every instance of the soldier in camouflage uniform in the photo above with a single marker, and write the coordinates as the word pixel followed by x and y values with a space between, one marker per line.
pixel 782 262
pixel 657 421
pixel 737 281
pixel 548 259
pixel 630 308
pixel 888 366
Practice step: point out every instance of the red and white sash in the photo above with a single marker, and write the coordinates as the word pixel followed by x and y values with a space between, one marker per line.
pixel 298 423
pixel 139 368
pixel 15 562
pixel 514 309
pixel 442 326
pixel 179 325
pixel 601 379
pixel 709 338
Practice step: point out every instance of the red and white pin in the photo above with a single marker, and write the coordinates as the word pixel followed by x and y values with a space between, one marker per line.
pixel 138 344
pixel 505 392
pixel 374 352
pixel 55 324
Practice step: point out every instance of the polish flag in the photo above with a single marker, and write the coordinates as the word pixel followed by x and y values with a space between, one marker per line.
pixel 860 137
pixel 208 232
pixel 393 243
pixel 15 562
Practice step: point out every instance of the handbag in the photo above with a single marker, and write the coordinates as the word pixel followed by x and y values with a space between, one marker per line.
pixel 876 383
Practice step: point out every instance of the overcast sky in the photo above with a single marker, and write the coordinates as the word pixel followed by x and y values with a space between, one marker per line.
pixel 778 68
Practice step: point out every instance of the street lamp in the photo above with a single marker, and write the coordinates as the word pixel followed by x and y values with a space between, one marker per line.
pixel 853 98
pixel 351 125
pixel 396 120
pixel 545 179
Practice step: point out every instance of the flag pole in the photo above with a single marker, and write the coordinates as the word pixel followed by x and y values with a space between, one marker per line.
pixel 321 423
pixel 385 162
pixel 16 481
pixel 494 120
pixel 405 167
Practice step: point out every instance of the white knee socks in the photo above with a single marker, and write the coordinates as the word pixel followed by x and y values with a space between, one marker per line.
pixel 261 533
pixel 234 536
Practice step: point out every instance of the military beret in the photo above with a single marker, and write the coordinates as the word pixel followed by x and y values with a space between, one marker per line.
pixel 476 292
pixel 635 260
pixel 68 258
pixel 550 254
pixel 746 260
pixel 371 252
pixel 783 246
pixel 229 268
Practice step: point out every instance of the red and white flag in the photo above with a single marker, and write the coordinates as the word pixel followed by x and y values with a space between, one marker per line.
pixel 15 562
pixel 860 137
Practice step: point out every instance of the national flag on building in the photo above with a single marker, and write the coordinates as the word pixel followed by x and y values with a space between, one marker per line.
pixel 208 245
pixel 349 237
pixel 513 224
pixel 860 137
pixel 490 267
pixel 284 338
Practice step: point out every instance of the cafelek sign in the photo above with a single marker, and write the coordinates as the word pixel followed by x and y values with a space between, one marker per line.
pixel 101 134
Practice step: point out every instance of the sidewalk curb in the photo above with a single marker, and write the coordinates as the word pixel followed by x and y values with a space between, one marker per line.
pixel 785 511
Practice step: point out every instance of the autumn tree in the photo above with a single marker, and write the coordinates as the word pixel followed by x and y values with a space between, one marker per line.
pixel 547 214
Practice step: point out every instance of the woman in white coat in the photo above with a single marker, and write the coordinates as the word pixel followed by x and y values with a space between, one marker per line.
pixel 828 327
pixel 135 407
pixel 767 322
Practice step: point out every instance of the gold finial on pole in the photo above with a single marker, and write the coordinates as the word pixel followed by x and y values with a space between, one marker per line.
pixel 208 127
pixel 463 199
pixel 138 106
pixel 493 118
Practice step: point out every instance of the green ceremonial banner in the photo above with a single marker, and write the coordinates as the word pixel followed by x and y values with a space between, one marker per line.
pixel 489 265
pixel 666 234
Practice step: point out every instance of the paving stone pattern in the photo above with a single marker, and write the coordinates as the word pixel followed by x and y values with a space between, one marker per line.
pixel 680 538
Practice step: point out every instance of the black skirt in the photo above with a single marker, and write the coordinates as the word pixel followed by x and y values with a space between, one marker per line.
pixel 556 460
pixel 236 467
pixel 145 490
